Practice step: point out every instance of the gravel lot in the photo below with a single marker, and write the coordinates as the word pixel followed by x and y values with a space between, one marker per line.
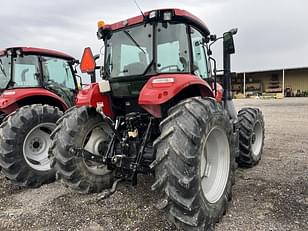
pixel 271 196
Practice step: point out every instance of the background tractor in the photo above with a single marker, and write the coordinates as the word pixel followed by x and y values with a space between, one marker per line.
pixel 159 110
pixel 36 87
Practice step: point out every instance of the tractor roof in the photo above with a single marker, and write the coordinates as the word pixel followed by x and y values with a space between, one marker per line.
pixel 38 51
pixel 178 14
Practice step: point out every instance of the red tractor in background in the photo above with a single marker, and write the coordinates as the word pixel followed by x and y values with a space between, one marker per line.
pixel 36 87
pixel 160 111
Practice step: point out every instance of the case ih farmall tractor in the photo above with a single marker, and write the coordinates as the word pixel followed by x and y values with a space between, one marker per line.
pixel 158 110
pixel 36 87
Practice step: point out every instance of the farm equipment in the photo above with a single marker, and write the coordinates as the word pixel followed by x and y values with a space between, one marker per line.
pixel 159 110
pixel 36 87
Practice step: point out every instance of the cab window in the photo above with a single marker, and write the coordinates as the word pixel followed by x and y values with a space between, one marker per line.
pixel 129 51
pixel 26 71
pixel 58 71
pixel 200 67
pixel 5 71
pixel 172 48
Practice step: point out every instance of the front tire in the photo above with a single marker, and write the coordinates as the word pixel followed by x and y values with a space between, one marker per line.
pixel 81 128
pixel 24 141
pixel 195 163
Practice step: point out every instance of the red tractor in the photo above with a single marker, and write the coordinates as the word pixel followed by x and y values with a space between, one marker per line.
pixel 159 110
pixel 36 87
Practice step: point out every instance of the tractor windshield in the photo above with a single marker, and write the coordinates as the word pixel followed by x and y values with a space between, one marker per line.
pixel 130 51
pixel 172 48
pixel 5 71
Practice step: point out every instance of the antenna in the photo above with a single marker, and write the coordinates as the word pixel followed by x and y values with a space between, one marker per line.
pixel 139 8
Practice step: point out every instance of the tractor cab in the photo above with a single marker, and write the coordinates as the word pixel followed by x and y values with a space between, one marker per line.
pixel 159 42
pixel 23 68
pixel 165 44
pixel 150 49
pixel 168 46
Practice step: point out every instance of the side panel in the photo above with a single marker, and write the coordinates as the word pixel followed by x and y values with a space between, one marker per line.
pixel 91 95
pixel 9 98
pixel 162 88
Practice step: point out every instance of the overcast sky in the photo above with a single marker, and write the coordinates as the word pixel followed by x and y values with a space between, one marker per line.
pixel 272 33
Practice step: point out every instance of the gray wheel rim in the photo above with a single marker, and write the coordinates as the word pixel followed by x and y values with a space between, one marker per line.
pixel 215 164
pixel 256 139
pixel 92 143
pixel 36 145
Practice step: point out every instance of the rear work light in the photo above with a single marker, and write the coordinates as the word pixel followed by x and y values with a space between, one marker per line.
pixel 167 16
pixel 152 15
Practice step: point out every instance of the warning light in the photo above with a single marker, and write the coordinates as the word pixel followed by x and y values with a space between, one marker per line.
pixel 167 16
pixel 100 24
pixel 87 64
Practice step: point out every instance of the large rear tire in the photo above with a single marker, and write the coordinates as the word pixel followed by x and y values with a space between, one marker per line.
pixel 24 141
pixel 195 163
pixel 251 136
pixel 81 128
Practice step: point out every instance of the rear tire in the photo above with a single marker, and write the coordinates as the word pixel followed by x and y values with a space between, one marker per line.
pixel 195 163
pixel 251 136
pixel 81 128
pixel 24 141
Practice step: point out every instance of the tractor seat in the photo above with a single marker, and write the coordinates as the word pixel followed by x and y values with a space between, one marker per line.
pixel 134 69
pixel 23 74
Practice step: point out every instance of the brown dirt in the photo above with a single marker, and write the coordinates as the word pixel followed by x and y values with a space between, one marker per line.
pixel 270 196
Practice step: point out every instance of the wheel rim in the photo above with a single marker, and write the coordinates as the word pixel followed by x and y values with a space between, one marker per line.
pixel 256 139
pixel 96 141
pixel 215 164
pixel 36 145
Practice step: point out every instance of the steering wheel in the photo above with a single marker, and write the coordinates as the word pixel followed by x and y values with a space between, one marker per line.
pixel 170 66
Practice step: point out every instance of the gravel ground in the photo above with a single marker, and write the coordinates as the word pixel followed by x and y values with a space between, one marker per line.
pixel 270 196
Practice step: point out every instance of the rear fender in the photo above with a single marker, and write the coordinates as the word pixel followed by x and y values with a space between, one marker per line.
pixel 91 96
pixel 163 88
pixel 10 100
pixel 219 93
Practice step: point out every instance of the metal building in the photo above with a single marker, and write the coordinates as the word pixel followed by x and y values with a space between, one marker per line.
pixel 289 82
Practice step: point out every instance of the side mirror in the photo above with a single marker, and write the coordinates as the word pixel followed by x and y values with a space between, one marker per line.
pixel 87 64
pixel 229 42
pixel 233 31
